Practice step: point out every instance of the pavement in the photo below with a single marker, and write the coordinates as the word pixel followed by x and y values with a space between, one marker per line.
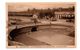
pixel 46 37
pixel 28 41
pixel 43 22
pixel 53 37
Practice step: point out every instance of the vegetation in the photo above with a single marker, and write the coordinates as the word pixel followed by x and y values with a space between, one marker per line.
pixel 41 12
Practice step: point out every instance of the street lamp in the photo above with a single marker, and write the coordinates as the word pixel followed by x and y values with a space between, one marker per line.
pixel 34 28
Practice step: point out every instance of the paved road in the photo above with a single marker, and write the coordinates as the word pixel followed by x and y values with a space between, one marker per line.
pixel 43 22
pixel 46 37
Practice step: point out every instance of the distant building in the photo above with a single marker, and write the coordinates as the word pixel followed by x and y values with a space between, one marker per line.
pixel 20 14
pixel 64 14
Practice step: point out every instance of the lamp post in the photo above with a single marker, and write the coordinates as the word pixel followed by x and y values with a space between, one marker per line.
pixel 35 18
pixel 34 28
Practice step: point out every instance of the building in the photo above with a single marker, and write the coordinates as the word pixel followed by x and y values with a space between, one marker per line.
pixel 64 14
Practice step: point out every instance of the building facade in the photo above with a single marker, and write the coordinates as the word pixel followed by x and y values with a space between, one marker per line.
pixel 64 14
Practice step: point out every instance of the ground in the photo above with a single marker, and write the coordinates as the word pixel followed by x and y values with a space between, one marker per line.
pixel 46 37
pixel 52 35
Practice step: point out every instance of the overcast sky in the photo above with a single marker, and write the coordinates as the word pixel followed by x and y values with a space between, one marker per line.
pixel 42 5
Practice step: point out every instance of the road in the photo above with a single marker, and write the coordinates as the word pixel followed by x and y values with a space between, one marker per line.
pixel 47 36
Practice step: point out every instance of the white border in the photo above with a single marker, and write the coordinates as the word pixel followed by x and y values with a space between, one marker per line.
pixel 3 23
pixel 40 0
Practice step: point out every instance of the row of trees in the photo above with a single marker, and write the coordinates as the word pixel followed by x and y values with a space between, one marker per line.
pixel 41 12
pixel 49 9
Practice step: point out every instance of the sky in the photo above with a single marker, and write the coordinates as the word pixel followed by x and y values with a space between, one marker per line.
pixel 38 5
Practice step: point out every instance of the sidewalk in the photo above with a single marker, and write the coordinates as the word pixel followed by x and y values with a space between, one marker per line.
pixel 61 23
